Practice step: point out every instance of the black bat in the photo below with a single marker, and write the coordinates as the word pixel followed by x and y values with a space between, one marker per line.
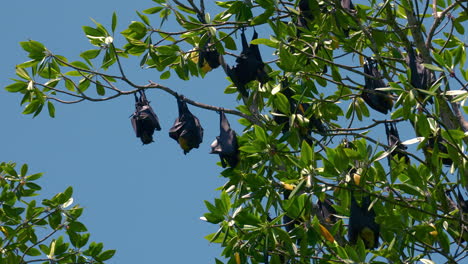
pixel 186 130
pixel 362 223
pixel 289 223
pixel 144 120
pixel 377 99
pixel 461 230
pixel 442 148
pixel 281 119
pixel 249 66
pixel 394 139
pixel 208 58
pixel 421 77
pixel 225 145
pixel 326 210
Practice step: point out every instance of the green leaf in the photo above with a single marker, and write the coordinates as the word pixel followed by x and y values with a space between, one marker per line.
pixel 153 10
pixel 267 42
pixel 144 18
pixel 33 252
pixel 80 65
pixel 16 87
pixel 100 89
pixel 165 75
pixel 433 67
pixel 306 153
pixel 281 103
pixel 51 108
pixel 229 43
pixel 22 73
pixel 264 17
pixel 34 177
pixel 90 54
pixel 260 134
pixel 76 226
pixel 24 169
pixel 106 255
pixel 92 32
pixel 32 107
pixel 114 21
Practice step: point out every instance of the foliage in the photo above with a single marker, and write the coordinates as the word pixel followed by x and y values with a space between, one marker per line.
pixel 47 233
pixel 308 135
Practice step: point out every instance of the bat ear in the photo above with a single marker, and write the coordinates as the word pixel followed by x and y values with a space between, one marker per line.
pixel 245 45
pixel 255 34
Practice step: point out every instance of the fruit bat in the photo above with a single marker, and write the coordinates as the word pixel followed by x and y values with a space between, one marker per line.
pixel 326 210
pixel 305 14
pixel 376 99
pixel 421 77
pixel 186 130
pixel 144 120
pixel 442 148
pixel 225 145
pixel 294 107
pixel 362 223
pixel 208 58
pixel 249 66
pixel 394 139
pixel 288 221
pixel 456 228
pixel 308 12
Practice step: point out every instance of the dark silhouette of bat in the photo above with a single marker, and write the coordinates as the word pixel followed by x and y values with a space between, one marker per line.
pixel 310 9
pixel 295 107
pixel 186 130
pixel 144 120
pixel 249 66
pixel 208 58
pixel 225 145
pixel 440 146
pixel 421 77
pixel 362 223
pixel 326 210
pixel 394 139
pixel 458 229
pixel 376 99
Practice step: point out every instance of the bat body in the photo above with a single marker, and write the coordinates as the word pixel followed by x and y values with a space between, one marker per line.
pixel 394 139
pixel 376 99
pixel 362 223
pixel 208 58
pixel 144 120
pixel 310 9
pixel 225 145
pixel 186 130
pixel 442 148
pixel 249 66
pixel 421 77
pixel 326 210
pixel 314 122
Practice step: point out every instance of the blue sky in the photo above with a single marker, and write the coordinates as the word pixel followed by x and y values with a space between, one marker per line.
pixel 143 201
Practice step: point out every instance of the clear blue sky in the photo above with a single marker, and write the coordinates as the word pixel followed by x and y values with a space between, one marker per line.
pixel 143 201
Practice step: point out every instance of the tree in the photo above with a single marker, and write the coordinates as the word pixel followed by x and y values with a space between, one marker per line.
pixel 310 157
pixel 29 230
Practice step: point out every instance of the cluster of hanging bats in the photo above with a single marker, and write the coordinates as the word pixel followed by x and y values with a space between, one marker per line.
pixel 188 132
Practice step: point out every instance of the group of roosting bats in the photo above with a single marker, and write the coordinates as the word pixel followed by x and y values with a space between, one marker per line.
pixel 188 132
